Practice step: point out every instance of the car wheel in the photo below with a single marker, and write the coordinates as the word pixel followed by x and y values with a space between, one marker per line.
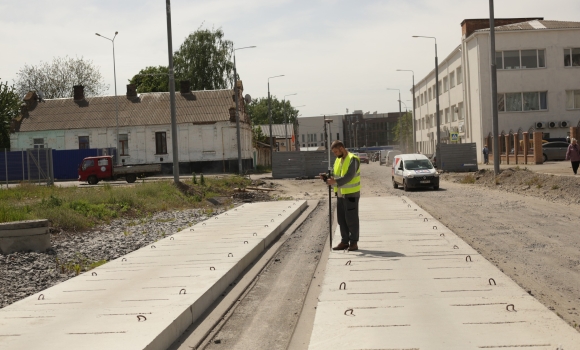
pixel 545 158
pixel 92 180
pixel 395 184
pixel 131 178
pixel 405 187
pixel 436 187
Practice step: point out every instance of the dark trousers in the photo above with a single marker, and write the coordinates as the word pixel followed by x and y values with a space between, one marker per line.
pixel 575 167
pixel 486 158
pixel 347 217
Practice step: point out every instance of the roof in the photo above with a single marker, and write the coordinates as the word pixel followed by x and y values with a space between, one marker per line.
pixel 278 130
pixel 535 25
pixel 147 109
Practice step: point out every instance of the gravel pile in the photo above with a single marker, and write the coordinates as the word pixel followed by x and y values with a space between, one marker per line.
pixel 24 274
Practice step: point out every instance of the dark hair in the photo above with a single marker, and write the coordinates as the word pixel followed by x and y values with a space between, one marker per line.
pixel 337 144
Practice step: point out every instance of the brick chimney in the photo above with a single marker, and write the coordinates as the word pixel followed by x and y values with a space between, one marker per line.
pixel 78 92
pixel 468 26
pixel 184 87
pixel 131 91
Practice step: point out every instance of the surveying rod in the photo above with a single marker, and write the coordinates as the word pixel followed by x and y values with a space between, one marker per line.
pixel 329 135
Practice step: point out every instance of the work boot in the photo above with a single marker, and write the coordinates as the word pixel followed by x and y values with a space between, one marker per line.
pixel 353 246
pixel 341 246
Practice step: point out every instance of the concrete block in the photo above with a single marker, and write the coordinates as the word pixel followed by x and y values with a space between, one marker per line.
pixel 23 236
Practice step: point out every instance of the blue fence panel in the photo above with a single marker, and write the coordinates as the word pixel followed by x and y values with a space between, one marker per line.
pixel 66 162
pixel 12 164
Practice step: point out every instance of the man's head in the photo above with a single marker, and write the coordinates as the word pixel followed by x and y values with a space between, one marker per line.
pixel 338 149
pixel 574 141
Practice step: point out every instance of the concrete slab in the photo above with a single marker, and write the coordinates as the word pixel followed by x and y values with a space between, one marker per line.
pixel 146 299
pixel 414 284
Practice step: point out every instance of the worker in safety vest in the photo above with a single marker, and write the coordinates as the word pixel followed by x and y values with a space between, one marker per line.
pixel 346 182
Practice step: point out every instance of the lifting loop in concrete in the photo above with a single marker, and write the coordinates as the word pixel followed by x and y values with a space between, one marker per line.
pixel 434 227
pixel 455 247
pixel 171 238
pixel 347 263
pixel 491 279
pixel 245 242
pixel 139 317
pixel 124 259
pixel 93 274
pixel 508 307
pixel 153 246
pixel 255 234
pixel 41 295
pixel 230 255
pixel 468 257
pixel 442 235
pixel 351 312
pixel 340 287
pixel 425 220
pixel 182 290
pixel 212 268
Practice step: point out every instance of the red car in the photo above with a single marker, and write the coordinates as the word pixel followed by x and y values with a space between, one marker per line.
pixel 364 158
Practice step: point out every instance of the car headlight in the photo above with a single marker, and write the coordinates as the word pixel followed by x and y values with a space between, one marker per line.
pixel 410 176
pixel 436 175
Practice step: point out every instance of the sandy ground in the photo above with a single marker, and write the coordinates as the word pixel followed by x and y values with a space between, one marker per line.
pixel 531 233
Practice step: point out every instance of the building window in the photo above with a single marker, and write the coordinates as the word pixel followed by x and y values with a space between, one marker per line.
pixel 573 99
pixel 524 59
pixel 83 142
pixel 460 110
pixel 447 115
pixel 522 101
pixel 303 139
pixel 440 86
pixel 38 143
pixel 338 136
pixel 459 76
pixel 123 146
pixel 440 117
pixel 160 143
pixel 572 57
pixel 430 96
pixel 452 80
pixel 453 113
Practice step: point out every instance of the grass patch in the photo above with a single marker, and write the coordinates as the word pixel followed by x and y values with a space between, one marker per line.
pixel 555 187
pixel 77 209
pixel 468 179
pixel 78 264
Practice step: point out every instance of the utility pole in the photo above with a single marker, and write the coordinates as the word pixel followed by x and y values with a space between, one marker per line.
pixel 172 96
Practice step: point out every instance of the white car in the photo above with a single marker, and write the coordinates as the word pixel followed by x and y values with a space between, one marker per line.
pixel 414 171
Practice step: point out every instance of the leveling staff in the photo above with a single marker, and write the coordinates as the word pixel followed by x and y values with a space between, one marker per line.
pixel 346 182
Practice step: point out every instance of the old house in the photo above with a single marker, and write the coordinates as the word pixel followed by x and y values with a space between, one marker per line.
pixel 206 127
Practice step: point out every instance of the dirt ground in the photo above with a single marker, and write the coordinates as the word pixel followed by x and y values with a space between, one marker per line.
pixel 524 222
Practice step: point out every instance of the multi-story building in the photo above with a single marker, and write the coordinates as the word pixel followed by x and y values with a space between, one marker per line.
pixel 538 80
pixel 311 130
pixel 370 129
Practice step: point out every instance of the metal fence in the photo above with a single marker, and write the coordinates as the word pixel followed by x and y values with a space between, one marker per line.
pixel 460 157
pixel 300 164
pixel 44 165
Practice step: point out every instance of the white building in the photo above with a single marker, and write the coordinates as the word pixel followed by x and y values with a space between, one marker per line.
pixel 206 127
pixel 311 130
pixel 538 78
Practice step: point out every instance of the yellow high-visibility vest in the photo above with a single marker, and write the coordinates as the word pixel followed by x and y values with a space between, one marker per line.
pixel 353 185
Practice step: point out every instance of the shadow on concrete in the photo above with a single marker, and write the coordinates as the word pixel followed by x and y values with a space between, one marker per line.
pixel 379 253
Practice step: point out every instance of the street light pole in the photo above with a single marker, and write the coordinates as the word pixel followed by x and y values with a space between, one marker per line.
pixel 494 120
pixel 286 121
pixel 437 150
pixel 270 120
pixel 399 102
pixel 116 99
pixel 414 141
pixel 240 166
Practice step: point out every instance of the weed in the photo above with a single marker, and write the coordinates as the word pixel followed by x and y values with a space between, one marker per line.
pixel 127 233
pixel 497 180
pixel 202 180
pixel 539 186
pixel 468 179
pixel 555 187
pixel 165 220
pixel 194 179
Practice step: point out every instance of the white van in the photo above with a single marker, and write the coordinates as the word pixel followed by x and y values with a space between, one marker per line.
pixel 414 171
pixel 383 157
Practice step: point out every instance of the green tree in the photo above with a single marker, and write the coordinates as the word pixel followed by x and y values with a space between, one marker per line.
pixel 9 106
pixel 152 79
pixel 205 59
pixel 258 111
pixel 404 132
pixel 56 79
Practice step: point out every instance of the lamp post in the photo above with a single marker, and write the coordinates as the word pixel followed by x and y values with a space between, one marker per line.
pixel 399 101
pixel 494 117
pixel 286 120
pixel 270 120
pixel 408 70
pixel 116 100
pixel 240 166
pixel 437 150
pixel 294 130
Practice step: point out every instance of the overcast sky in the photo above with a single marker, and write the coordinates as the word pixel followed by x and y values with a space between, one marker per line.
pixel 336 54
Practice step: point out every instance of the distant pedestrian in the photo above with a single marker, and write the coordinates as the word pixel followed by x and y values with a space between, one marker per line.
pixel 573 155
pixel 485 155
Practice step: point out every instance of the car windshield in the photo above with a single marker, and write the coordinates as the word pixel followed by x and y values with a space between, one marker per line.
pixel 418 164
pixel 362 155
